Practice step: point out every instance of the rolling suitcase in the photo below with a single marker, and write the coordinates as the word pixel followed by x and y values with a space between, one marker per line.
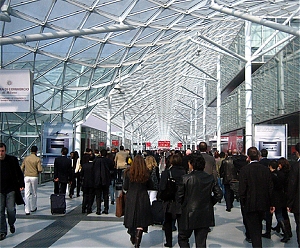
pixel 58 204
pixel 157 212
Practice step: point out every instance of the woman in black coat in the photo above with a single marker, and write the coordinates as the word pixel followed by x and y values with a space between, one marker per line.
pixel 138 214
pixel 171 208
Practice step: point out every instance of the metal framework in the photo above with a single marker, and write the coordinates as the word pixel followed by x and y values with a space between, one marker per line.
pixel 156 51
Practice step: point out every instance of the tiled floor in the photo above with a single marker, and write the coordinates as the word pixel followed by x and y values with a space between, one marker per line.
pixel 41 229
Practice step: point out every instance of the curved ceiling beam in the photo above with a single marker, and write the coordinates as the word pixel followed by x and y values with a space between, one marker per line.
pixel 63 34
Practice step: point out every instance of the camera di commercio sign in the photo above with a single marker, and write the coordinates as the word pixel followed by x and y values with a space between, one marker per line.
pixel 15 90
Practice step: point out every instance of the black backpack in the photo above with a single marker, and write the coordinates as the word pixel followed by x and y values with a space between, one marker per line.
pixel 168 194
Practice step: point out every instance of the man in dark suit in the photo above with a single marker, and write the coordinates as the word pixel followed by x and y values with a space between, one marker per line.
pixel 63 170
pixel 264 157
pixel 255 189
pixel 293 191
pixel 210 162
pixel 197 194
pixel 102 180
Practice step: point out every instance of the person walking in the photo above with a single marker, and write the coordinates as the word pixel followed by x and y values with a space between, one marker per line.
pixel 138 215
pixel 293 191
pixel 102 180
pixel 210 162
pixel 63 171
pixel 87 175
pixel 11 185
pixel 154 174
pixel 197 194
pixel 171 208
pixel 228 172
pixel 76 167
pixel 31 167
pixel 120 163
pixel 255 190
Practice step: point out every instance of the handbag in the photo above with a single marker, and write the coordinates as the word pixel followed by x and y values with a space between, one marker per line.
pixel 120 205
pixel 168 194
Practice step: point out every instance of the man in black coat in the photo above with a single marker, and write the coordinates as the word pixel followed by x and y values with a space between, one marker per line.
pixel 87 175
pixel 293 191
pixel 63 170
pixel 228 172
pixel 255 189
pixel 12 182
pixel 102 180
pixel 197 194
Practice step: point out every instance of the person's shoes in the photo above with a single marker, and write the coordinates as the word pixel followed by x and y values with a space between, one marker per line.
pixel 209 229
pixel 2 236
pixel 105 212
pixel 174 228
pixel 27 213
pixel 276 228
pixel 285 239
pixel 266 235
pixel 89 212
pixel 34 210
pixel 228 209
pixel 12 229
pixel 78 195
pixel 248 240
pixel 98 213
pixel 83 211
pixel 112 202
pixel 71 196
pixel 168 245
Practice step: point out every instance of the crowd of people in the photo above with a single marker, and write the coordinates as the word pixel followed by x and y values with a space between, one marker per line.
pixel 196 181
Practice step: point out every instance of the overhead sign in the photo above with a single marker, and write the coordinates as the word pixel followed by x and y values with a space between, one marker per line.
pixel 164 144
pixel 15 90
pixel 115 142
pixel 148 144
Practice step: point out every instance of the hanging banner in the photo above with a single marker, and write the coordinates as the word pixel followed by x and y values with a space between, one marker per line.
pixel 148 144
pixel 164 144
pixel 16 90
pixel 115 143
pixel 273 138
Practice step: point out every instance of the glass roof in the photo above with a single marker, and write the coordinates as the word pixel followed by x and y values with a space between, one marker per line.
pixel 152 58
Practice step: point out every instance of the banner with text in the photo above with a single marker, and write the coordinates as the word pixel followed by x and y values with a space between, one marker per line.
pixel 15 90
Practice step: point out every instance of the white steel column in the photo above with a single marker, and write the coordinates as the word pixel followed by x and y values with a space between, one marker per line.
pixel 191 128
pixel 131 145
pixel 248 86
pixel 219 104
pixel 77 139
pixel 280 81
pixel 204 111
pixel 108 121
pixel 123 130
pixel 196 118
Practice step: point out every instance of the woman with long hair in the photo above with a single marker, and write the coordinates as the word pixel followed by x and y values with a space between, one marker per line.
pixel 138 214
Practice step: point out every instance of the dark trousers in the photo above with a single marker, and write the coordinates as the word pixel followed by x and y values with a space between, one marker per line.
pixel 88 199
pixel 297 215
pixel 200 237
pixel 229 196
pixel 62 187
pixel 168 226
pixel 102 192
pixel 76 183
pixel 56 188
pixel 245 222
pixel 254 223
pixel 120 175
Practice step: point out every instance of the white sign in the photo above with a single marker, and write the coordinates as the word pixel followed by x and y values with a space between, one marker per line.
pixel 15 90
pixel 273 138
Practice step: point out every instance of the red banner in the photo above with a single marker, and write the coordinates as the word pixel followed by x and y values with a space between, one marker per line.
pixel 179 144
pixel 101 144
pixel 164 144
pixel 148 144
pixel 115 142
